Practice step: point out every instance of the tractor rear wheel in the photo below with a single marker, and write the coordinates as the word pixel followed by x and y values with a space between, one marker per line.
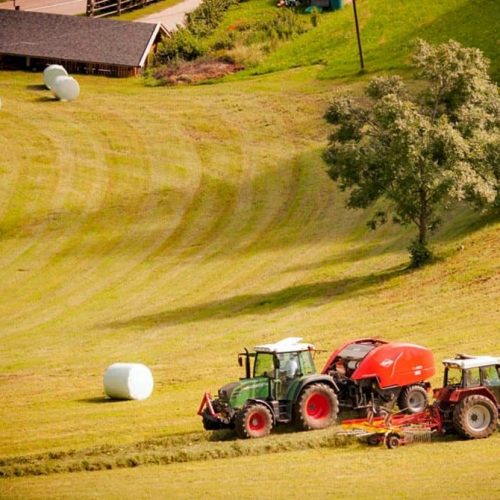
pixel 253 421
pixel 316 408
pixel 475 417
pixel 413 399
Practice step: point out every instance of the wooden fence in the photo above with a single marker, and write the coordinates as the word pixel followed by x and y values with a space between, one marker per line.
pixel 102 8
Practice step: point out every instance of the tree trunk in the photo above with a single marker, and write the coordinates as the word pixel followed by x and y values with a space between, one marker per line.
pixel 423 219
pixel 419 252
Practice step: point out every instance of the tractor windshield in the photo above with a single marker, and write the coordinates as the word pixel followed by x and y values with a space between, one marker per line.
pixel 264 365
pixel 307 363
pixel 453 375
pixel 290 364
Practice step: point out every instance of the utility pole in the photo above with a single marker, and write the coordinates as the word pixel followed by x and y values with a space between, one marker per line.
pixel 361 62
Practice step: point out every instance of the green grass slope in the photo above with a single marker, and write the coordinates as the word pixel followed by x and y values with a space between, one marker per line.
pixel 173 228
pixel 388 31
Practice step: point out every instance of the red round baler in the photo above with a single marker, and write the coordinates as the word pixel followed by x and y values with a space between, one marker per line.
pixel 372 373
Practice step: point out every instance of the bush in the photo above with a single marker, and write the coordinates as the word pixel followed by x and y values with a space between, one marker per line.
pixel 420 254
pixel 283 26
pixel 181 45
pixel 246 56
pixel 224 42
pixel 207 16
pixel 314 17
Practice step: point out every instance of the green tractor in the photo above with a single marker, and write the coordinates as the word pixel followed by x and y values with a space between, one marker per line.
pixel 280 386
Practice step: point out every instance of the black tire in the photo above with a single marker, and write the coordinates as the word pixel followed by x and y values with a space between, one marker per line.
pixel 210 425
pixel 392 440
pixel 253 421
pixel 373 440
pixel 475 417
pixel 317 407
pixel 413 399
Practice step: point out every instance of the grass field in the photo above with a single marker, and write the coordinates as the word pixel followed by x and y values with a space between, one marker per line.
pixel 388 32
pixel 175 226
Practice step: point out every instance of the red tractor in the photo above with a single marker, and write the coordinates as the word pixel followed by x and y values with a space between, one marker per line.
pixel 373 374
pixel 469 401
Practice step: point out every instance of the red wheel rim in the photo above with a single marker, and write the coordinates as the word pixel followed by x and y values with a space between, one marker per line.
pixel 256 422
pixel 318 407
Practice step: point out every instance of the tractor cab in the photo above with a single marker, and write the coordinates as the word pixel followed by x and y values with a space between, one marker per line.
pixel 470 397
pixel 287 358
pixel 278 365
pixel 471 373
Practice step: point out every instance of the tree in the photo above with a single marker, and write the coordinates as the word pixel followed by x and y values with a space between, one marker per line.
pixel 420 153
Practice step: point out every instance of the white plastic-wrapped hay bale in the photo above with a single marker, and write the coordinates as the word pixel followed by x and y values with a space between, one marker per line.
pixel 128 381
pixel 66 88
pixel 50 73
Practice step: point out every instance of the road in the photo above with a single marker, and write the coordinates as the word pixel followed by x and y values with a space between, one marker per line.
pixel 172 16
pixel 68 7
pixel 169 17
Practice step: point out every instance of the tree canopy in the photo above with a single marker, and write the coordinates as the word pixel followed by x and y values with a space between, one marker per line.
pixel 420 152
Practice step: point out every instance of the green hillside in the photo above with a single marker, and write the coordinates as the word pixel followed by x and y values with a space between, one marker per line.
pixel 173 227
pixel 388 31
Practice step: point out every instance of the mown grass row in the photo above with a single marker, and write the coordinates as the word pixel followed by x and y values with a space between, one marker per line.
pixel 168 450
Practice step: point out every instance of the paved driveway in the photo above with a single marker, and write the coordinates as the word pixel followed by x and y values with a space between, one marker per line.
pixel 170 17
pixel 69 7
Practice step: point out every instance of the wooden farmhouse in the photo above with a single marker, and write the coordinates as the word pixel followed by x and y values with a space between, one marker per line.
pixel 32 40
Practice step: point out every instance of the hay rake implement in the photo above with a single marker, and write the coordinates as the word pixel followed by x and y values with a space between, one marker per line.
pixel 395 429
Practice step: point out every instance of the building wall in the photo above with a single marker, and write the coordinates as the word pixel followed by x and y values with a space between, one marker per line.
pixel 37 64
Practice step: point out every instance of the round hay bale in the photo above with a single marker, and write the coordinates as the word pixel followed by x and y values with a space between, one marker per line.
pixel 66 88
pixel 128 381
pixel 50 73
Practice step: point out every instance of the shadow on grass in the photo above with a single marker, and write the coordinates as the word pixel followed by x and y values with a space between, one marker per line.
pixel 230 434
pixel 101 399
pixel 313 294
pixel 46 99
pixel 36 87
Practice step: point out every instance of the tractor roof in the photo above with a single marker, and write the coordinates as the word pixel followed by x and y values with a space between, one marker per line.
pixel 290 344
pixel 465 362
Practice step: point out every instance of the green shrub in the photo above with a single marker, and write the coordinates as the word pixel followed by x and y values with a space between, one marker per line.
pixel 224 42
pixel 181 45
pixel 314 17
pixel 420 254
pixel 283 26
pixel 246 55
pixel 207 16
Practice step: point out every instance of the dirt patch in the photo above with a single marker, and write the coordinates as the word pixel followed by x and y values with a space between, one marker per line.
pixel 195 71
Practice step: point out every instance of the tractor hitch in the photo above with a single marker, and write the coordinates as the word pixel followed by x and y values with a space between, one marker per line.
pixel 216 414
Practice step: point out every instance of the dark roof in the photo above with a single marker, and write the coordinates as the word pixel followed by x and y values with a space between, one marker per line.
pixel 74 38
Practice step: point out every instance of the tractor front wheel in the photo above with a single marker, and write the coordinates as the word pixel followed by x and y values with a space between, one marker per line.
pixel 475 417
pixel 317 407
pixel 253 421
pixel 413 399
